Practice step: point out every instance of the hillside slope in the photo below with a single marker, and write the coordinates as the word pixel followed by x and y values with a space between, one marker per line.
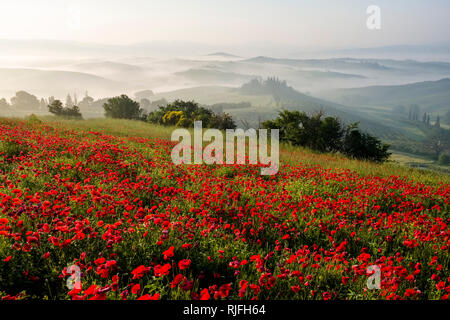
pixel 427 94
pixel 107 196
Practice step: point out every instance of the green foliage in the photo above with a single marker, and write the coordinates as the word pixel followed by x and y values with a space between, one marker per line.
pixel 327 135
pixel 184 113
pixel 447 117
pixel 361 145
pixel 221 121
pixel 437 139
pixel 56 107
pixel 444 159
pixel 32 118
pixel 123 107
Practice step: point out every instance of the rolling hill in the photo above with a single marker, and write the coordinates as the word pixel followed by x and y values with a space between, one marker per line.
pixel 54 83
pixel 430 95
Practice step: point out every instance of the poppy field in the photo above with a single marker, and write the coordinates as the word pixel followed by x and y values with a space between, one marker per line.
pixel 137 226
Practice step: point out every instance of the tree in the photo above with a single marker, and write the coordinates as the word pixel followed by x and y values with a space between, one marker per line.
pixel 447 117
pixel 327 135
pixel 187 112
pixel 438 140
pixel 437 124
pixel 56 107
pixel 222 121
pixel 69 102
pixel 24 100
pixel 4 103
pixel 315 132
pixel 444 159
pixel 331 132
pixel 363 146
pixel 414 111
pixel 123 107
pixel 86 102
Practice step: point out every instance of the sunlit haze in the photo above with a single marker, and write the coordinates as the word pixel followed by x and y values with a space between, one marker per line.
pixel 302 24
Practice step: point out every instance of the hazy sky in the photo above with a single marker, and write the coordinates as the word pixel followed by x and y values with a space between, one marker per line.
pixel 302 23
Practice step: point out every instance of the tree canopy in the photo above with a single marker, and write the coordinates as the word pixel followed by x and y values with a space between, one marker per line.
pixel 327 134
pixel 123 107
pixel 184 113
pixel 56 107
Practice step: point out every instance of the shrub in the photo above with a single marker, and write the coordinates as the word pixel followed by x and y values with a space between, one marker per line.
pixel 173 118
pixel 327 135
pixel 444 159
pixel 33 119
pixel 184 113
pixel 363 146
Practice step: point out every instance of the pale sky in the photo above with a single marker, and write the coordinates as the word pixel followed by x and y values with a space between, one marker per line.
pixel 305 23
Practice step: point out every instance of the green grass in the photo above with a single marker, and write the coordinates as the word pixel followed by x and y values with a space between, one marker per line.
pixel 288 154
pixel 320 193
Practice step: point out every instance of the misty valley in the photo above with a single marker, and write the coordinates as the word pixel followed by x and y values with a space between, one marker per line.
pixel 406 103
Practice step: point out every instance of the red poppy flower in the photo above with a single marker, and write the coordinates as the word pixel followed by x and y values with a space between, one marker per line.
pixel 168 253
pixel 184 264
pixel 149 297
pixel 204 294
pixel 136 288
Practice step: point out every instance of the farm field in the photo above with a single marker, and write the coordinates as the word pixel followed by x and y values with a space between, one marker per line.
pixel 104 196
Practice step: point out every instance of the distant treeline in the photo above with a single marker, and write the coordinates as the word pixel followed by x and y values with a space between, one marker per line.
pixel 271 86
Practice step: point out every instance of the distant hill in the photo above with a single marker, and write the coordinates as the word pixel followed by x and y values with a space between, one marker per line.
pixel 427 94
pixel 336 64
pixel 223 54
pixel 112 70
pixel 54 83
pixel 381 67
pixel 418 52
pixel 264 105
pixel 208 76
pixel 108 66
